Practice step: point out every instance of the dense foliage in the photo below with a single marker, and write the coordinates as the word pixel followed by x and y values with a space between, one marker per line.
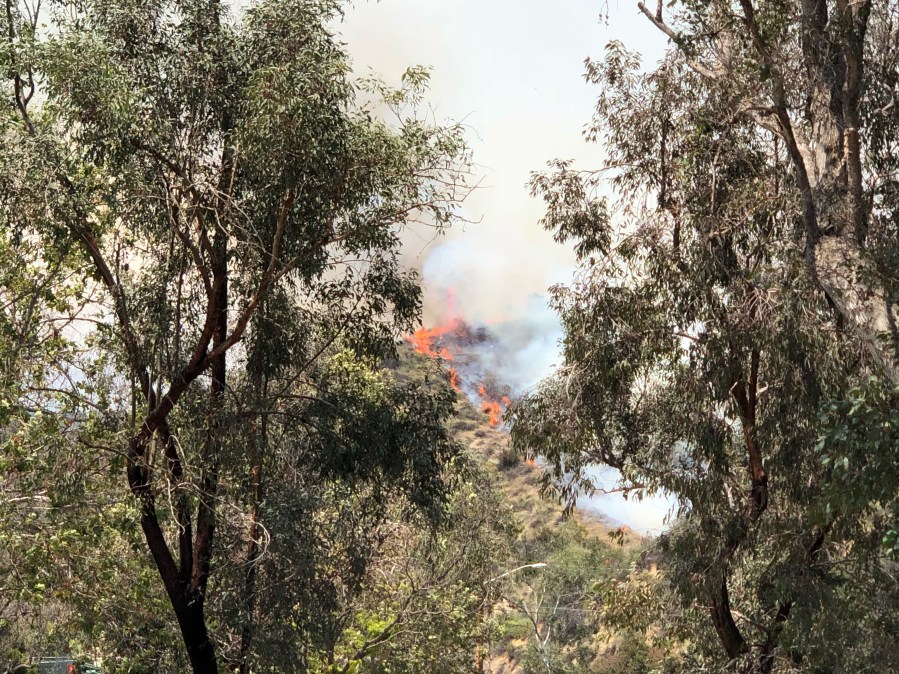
pixel 730 338
pixel 213 457
pixel 213 209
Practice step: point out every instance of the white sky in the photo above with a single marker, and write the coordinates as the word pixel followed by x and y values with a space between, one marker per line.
pixel 513 71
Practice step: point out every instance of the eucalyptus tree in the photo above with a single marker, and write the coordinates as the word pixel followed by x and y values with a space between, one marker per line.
pixel 734 301
pixel 221 182
pixel 334 469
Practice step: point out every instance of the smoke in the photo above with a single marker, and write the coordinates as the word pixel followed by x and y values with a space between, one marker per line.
pixel 493 361
pixel 512 71
pixel 646 514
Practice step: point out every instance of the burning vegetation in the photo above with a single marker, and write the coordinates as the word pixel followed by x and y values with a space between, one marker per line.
pixel 457 343
pixel 429 342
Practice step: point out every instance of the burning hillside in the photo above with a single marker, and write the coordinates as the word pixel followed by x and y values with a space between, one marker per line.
pixel 463 349
pixel 492 365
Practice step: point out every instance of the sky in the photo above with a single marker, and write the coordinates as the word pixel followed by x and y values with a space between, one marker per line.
pixel 512 71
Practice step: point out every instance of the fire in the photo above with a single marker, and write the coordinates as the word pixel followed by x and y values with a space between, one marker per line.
pixel 493 408
pixel 432 342
pixel 423 340
pixel 426 341
pixel 494 411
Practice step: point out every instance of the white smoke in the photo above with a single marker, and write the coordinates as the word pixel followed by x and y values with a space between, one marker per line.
pixel 514 355
pixel 512 70
pixel 646 514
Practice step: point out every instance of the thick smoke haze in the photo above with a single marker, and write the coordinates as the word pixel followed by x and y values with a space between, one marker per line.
pixel 512 71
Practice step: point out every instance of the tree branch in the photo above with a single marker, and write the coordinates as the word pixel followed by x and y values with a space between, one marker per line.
pixel 657 21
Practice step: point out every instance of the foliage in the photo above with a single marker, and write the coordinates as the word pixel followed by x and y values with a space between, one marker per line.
pixel 859 450
pixel 551 610
pixel 720 336
pixel 435 592
pixel 215 214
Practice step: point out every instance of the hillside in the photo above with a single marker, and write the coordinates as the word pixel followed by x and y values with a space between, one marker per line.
pixel 520 479
pixel 550 609
pixel 471 359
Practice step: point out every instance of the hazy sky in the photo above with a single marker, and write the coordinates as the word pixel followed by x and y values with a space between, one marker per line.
pixel 513 71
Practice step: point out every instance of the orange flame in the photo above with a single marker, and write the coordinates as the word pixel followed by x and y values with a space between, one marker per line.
pixel 454 378
pixel 494 411
pixel 425 340
pixel 493 408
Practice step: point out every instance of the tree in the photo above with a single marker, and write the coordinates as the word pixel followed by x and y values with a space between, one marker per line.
pixel 331 519
pixel 821 81
pixel 738 286
pixel 214 178
pixel 429 608
pixel 554 600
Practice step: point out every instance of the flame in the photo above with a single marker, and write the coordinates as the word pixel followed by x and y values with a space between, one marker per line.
pixel 494 410
pixel 426 340
pixel 454 378
pixel 423 340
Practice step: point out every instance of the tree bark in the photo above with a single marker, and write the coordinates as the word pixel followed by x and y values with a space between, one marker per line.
pixel 258 443
pixel 200 650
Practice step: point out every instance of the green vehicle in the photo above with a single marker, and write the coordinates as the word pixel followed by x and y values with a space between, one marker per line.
pixel 65 665
pixel 56 664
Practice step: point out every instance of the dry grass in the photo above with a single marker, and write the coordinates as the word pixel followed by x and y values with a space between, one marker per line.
pixel 520 482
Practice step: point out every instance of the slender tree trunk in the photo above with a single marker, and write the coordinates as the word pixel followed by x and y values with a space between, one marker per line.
pixel 258 443
pixel 193 627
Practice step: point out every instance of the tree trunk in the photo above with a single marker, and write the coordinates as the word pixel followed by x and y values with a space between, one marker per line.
pixel 258 443
pixel 200 650
pixel 187 603
pixel 863 304
pixel 192 619
pixel 831 157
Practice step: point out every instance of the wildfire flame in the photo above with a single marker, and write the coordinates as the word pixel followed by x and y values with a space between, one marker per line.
pixel 493 408
pixel 494 411
pixel 427 341
pixel 423 341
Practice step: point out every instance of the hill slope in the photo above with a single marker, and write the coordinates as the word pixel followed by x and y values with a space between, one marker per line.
pixel 549 616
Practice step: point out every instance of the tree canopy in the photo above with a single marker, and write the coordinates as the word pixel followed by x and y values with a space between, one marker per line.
pixel 215 455
pixel 729 338
pixel 217 206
